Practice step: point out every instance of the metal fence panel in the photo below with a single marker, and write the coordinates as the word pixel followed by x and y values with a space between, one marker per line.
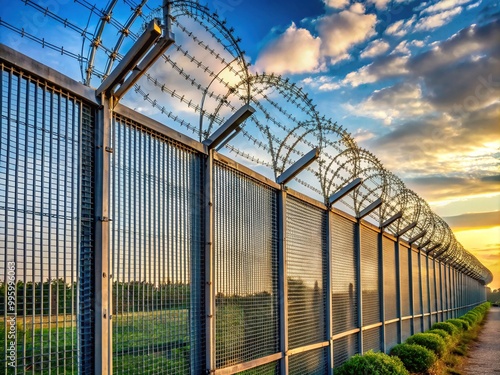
pixel 390 282
pixel 391 335
pixel 306 267
pixel 312 362
pixel 155 242
pixel 370 276
pixel 439 287
pixel 344 348
pixel 267 369
pixel 371 339
pixel 432 286
pixel 417 304
pixel 40 170
pixel 246 266
pixel 425 291
pixel 405 280
pixel 406 327
pixel 344 279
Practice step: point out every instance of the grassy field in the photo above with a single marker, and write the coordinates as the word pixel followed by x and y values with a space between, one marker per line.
pixel 143 343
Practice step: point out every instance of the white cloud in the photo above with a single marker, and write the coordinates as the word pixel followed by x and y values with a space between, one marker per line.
pixel 404 46
pixel 294 51
pixel 444 5
pixel 322 83
pixel 390 66
pixel 475 5
pixel 401 27
pixel 340 31
pixel 379 4
pixel 375 48
pixel 437 20
pixel 337 4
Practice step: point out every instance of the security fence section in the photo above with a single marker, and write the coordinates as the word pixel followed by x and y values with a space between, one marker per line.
pixel 129 248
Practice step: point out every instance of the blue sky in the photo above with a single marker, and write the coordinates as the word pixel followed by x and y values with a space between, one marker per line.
pixel 417 83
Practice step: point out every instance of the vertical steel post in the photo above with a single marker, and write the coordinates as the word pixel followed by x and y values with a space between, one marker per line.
pixel 410 278
pixel 357 246
pixel 209 264
pixel 381 273
pixel 428 289
pixel 420 286
pixel 283 282
pixel 329 289
pixel 435 289
pixel 399 305
pixel 102 347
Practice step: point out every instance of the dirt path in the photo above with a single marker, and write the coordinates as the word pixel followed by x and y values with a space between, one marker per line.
pixel 484 354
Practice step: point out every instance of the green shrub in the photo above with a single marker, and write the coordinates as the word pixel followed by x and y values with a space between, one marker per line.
pixel 415 358
pixel 448 327
pixel 461 324
pixel 469 318
pixel 441 332
pixel 372 363
pixel 430 341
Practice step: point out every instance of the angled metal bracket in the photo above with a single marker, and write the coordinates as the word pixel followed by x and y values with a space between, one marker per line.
pixel 406 229
pixel 417 237
pixel 371 207
pixel 339 194
pixel 229 126
pixel 391 220
pixel 298 166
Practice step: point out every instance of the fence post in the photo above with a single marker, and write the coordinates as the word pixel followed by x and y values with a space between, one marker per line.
pixel 103 340
pixel 410 278
pixel 359 287
pixel 381 271
pixel 329 290
pixel 429 306
pixel 398 292
pixel 420 286
pixel 209 264
pixel 283 282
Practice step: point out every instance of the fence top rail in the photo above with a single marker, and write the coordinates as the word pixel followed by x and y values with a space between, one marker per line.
pixel 24 63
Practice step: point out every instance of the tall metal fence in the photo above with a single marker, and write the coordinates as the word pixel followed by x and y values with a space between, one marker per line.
pixel 200 263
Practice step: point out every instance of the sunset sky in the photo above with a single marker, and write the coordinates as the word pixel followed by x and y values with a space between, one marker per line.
pixel 417 83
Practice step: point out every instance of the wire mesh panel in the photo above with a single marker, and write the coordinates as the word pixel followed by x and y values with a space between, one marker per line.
pixel 155 241
pixel 439 285
pixel 344 348
pixel 267 369
pixel 391 335
pixel 390 285
pixel 306 272
pixel 425 291
pixel 417 325
pixel 432 286
pixel 406 327
pixel 371 339
pixel 40 144
pixel 344 279
pixel 245 268
pixel 417 304
pixel 405 280
pixel 370 276
pixel 312 362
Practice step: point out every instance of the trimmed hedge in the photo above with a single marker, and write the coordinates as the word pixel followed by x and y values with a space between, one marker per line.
pixel 430 341
pixel 415 358
pixel 441 332
pixel 448 327
pixel 372 363
pixel 461 324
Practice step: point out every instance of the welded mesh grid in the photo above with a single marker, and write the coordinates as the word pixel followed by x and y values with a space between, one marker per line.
pixel 344 275
pixel 344 348
pixel 406 328
pixel 155 242
pixel 40 129
pixel 425 283
pixel 439 286
pixel 405 272
pixel 306 272
pixel 246 263
pixel 391 335
pixel 312 362
pixel 370 276
pixel 432 286
pixel 417 324
pixel 372 339
pixel 417 293
pixel 390 284
pixel 267 369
